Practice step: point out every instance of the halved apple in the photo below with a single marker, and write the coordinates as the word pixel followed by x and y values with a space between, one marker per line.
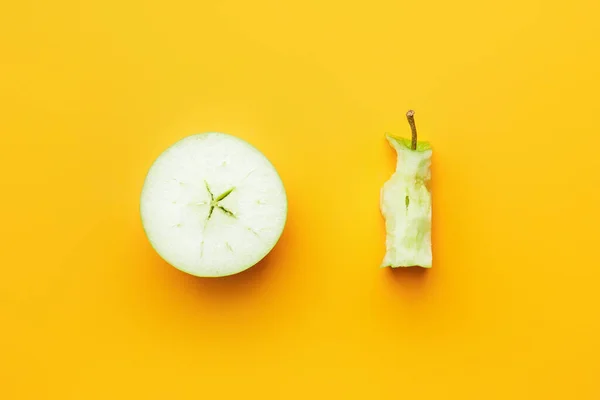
pixel 213 205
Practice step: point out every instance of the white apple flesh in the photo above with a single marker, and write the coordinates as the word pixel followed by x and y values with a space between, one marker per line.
pixel 406 205
pixel 213 205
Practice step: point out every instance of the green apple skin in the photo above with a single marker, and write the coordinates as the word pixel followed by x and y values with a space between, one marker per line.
pixel 406 206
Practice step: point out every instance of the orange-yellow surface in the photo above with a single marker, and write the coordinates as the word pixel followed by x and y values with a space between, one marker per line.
pixel 508 93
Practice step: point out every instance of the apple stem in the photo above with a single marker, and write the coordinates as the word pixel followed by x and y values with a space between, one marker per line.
pixel 410 116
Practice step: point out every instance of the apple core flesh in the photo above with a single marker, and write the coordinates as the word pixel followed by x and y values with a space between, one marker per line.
pixel 213 205
pixel 406 207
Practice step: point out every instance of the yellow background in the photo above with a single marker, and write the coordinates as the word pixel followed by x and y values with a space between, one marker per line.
pixel 507 92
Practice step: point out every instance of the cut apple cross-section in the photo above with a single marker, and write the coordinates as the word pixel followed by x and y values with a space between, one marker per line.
pixel 213 205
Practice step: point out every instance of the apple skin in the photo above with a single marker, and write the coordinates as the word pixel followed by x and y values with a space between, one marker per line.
pixel 213 205
pixel 405 204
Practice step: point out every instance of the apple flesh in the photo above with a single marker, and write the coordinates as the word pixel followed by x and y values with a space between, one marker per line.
pixel 406 206
pixel 213 205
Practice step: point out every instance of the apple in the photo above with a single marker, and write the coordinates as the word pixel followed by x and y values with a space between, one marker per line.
pixel 213 205
pixel 405 203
